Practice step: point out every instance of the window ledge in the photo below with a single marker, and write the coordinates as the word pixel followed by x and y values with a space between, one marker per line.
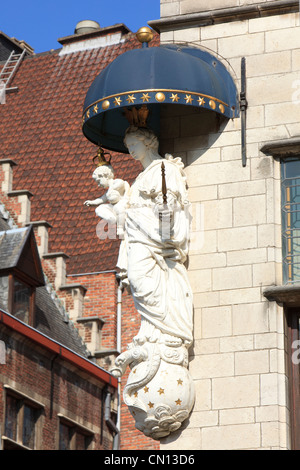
pixel 15 444
pixel 288 295
pixel 282 148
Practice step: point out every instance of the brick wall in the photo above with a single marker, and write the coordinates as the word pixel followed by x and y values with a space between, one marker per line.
pixel 59 388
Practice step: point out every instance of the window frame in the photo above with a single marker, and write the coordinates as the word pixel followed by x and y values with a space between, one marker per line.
pixel 75 429
pixel 24 400
pixel 12 277
pixel 289 232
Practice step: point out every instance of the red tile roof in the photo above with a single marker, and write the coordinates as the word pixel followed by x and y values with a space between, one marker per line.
pixel 40 129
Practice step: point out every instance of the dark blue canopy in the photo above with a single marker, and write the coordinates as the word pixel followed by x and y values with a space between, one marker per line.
pixel 151 76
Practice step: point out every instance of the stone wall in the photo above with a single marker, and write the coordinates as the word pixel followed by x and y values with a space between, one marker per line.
pixel 238 358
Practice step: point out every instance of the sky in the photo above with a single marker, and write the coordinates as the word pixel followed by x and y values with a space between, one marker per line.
pixel 41 22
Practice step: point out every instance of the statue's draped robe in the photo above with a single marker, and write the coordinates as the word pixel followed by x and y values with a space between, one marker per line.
pixel 155 269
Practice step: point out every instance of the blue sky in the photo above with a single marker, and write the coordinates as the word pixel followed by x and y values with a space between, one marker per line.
pixel 41 22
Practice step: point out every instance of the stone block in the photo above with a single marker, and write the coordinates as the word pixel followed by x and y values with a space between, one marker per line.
pixel 199 157
pixel 235 277
pixel 203 395
pixel 206 346
pixel 282 40
pixel 216 322
pixel 250 318
pixel 249 210
pixel 295 59
pixel 212 260
pixel 240 296
pixel 200 280
pixel 270 23
pixel 270 434
pixel 266 235
pixel 212 365
pixel 261 168
pixel 264 274
pixel 242 436
pixel 271 89
pixel 244 188
pixel 217 214
pixel 201 419
pixel 235 392
pixel 282 113
pixel 252 362
pixel 256 255
pixel 203 194
pixel 187 35
pixel 267 413
pixel 208 245
pixel 216 173
pixel 206 299
pixel 190 439
pixel 169 9
pixel 223 30
pixel 267 134
pixel 237 343
pixel 237 238
pixel 243 45
pixel 265 340
pixel 196 6
pixel 238 416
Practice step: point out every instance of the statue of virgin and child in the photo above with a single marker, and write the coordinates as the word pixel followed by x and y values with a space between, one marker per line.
pixel 153 218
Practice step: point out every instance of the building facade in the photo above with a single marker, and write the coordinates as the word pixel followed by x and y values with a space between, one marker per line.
pixel 46 168
pixel 243 262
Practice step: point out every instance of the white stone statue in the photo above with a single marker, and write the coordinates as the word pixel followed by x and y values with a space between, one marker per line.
pixel 159 391
pixel 112 205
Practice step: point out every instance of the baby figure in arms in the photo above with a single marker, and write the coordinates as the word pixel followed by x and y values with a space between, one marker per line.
pixel 112 205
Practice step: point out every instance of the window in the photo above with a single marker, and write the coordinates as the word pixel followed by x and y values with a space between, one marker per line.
pixel 21 426
pixel 21 300
pixel 290 178
pixel 17 298
pixel 73 436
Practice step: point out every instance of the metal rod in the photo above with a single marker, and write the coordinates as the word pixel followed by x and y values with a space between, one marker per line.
pixel 243 107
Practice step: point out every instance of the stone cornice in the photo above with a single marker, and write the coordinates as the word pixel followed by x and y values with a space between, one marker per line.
pixel 282 148
pixel 225 15
pixel 288 295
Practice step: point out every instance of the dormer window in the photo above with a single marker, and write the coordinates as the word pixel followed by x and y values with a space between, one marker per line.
pixel 20 273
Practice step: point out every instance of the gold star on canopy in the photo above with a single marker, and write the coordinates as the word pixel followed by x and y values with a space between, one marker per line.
pixel 179 381
pixel 131 99
pixel 174 97
pixel 161 391
pixel 96 109
pixel 117 101
pixel 201 101
pixel 88 113
pixel 188 99
pixel 146 389
pixel 145 97
pixel 178 402
pixel 150 404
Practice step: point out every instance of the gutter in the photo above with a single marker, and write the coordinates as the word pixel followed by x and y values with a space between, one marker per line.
pixel 207 18
pixel 62 351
